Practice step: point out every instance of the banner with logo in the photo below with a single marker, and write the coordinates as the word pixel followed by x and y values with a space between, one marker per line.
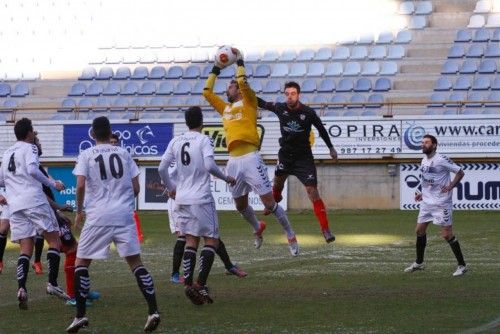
pixel 478 190
pixel 141 140
pixel 152 197
pixel 65 174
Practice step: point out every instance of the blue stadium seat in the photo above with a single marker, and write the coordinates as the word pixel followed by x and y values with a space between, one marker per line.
pixel 182 88
pixel 192 72
pixel 88 73
pixel 341 53
pixel 403 37
pixel 366 39
pixel 315 70
pixel 431 112
pixel 119 104
pixel 326 86
pixel 471 112
pixel 456 98
pixel 270 55
pixel 462 83
pixel 475 100
pixel 197 88
pixel 157 73
pixel 338 99
pixel 5 89
pixel 252 56
pixel 377 52
pixel 262 71
pixel 165 88
pixel 174 72
pixel 20 90
pixel 363 85
pixel 469 66
pixel 256 86
pixel 494 96
pixel 174 104
pixel 456 51
pixel 475 51
pixel 481 35
pixel 323 54
pixel 130 88
pixel 385 37
pixel 451 111
pixel 67 105
pixel 297 70
pixel 112 88
pixel 334 70
pixel 396 52
pixel 272 86
pixel 280 99
pixel 464 35
pixel 490 112
pixel 78 89
pixel 443 83
pixel 102 104
pixel 206 71
pixel 351 113
pixel 496 35
pixel 105 73
pixel 279 71
pixel 352 69
pixel 495 85
pixel 220 87
pixel 122 73
pixel 345 85
pixel 9 105
pixel 437 99
pixel 305 55
pixel 450 67
pixel 308 86
pixel 382 85
pixel 320 99
pixel 288 55
pixel 248 70
pixel 389 68
pixel 140 73
pixel 156 103
pixel 368 113
pixel 492 50
pixel 94 89
pixel 54 117
pixel 85 105
pixel 147 88
pixel 331 113
pixel 417 22
pixel 423 8
pixel 228 72
pixel 488 66
pixel 138 103
pixel 304 99
pixel 359 53
pixel 406 8
pixel 193 101
pixel 370 68
pixel 375 101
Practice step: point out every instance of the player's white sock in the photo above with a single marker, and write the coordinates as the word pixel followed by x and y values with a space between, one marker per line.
pixel 250 217
pixel 283 220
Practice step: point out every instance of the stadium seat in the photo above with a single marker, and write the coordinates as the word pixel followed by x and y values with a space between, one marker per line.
pixel 487 66
pixel 122 73
pixel 495 97
pixel 252 56
pixel 345 85
pixel 489 112
pixel 481 35
pixel 199 56
pixel 482 7
pixel 382 85
pixel 463 36
pixel 9 105
pixel 94 89
pixel 130 88
pixel 476 21
pixel 156 103
pixel 262 71
pixel 396 52
pixel 363 85
pixel 192 72
pixel 308 86
pixel 330 113
pixel 370 68
pixel 305 55
pixel 337 99
pixel 350 113
pixel 377 52
pixel 272 86
pixel 366 39
pixel 288 55
pixel 173 104
pixel 182 55
pixel 193 101
pixel 417 22
pixel 279 71
pixel 270 55
pixel 323 54
pixel 85 105
pixel 368 113
pixel 102 104
pixel 148 115
pixel 423 8
pixel 403 37
pixel 462 83
pixel 5 89
pixel 492 50
pixel 437 99
pixel 495 85
pixel 496 36
pixel 148 58
pixel 183 88
pixel 119 104
pixel 431 112
pixel 359 53
pixel 315 70
pixel 220 87
pixel 469 66
pixel 471 111
pixel 281 99
pixel 341 53
pixel 493 21
pixel 20 90
pixel 157 73
pixel 206 71
pixel 78 89
pixel 164 56
pixel 88 73
pixel 450 67
pixel 456 99
pixel 112 88
pixel 67 105
pixel 105 73
pixel 138 103
pixel 475 51
pixel 174 72
pixel 456 51
pixel 481 83
pixel 385 37
pixel 474 100
pixel 352 69
pixel 256 86
pixel 389 68
pixel 228 72
pixel 147 88
pixel 320 99
pixel 140 73
pixel 326 86
pixel 197 88
pixel 54 117
pixel 333 70
pixel 375 101
pixel 451 111
pixel 406 8
pixel 248 70
pixel 297 70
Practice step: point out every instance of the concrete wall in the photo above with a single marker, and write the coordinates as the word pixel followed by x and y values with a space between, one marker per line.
pixel 350 186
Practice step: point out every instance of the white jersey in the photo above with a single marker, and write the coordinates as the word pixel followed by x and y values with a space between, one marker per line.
pixel 109 194
pixel 23 191
pixel 435 174
pixel 193 179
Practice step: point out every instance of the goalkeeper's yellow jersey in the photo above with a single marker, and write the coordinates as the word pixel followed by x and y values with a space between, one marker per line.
pixel 240 118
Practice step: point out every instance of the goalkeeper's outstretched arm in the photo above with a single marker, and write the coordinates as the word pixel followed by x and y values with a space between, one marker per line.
pixel 208 92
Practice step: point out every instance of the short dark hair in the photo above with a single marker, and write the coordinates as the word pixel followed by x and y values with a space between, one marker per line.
pixel 114 136
pixel 194 117
pixel 293 84
pixel 432 138
pixel 101 128
pixel 22 128
pixel 235 82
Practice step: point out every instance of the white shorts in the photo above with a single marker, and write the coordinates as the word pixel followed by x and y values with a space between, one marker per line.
pixel 4 212
pixel 95 241
pixel 199 220
pixel 26 223
pixel 250 173
pixel 439 215
pixel 172 216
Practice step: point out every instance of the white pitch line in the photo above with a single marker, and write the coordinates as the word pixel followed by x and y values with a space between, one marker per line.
pixel 486 327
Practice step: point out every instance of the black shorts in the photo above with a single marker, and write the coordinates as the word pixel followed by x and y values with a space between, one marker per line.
pixel 65 234
pixel 299 164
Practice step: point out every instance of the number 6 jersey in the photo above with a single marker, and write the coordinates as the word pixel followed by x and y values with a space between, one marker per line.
pixel 109 195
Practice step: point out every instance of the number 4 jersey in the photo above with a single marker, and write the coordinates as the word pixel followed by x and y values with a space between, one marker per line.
pixel 109 195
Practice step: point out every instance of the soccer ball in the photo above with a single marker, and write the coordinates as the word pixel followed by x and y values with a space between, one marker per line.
pixel 225 55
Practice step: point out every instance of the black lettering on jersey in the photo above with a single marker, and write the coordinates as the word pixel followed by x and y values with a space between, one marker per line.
pixel 12 164
pixel 185 157
pixel 115 166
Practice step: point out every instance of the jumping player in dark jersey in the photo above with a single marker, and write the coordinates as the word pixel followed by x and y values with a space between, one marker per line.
pixel 295 155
